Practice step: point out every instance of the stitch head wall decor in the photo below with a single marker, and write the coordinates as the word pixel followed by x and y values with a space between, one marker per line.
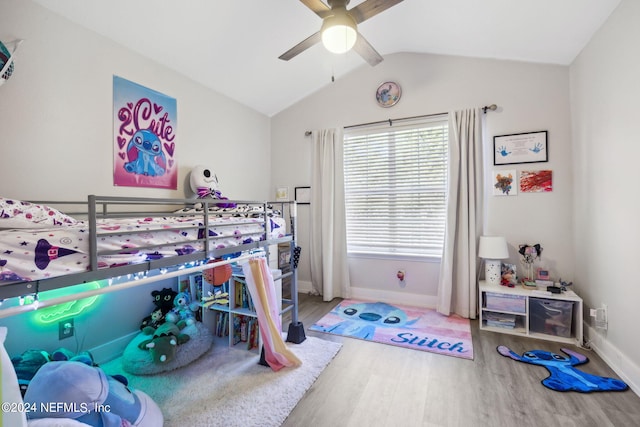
pixel 144 129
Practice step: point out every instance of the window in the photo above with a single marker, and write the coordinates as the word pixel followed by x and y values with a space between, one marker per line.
pixel 395 188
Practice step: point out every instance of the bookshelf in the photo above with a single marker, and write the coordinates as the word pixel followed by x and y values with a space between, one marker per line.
pixel 236 321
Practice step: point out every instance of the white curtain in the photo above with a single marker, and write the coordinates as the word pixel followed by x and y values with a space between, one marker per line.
pixel 457 289
pixel 328 241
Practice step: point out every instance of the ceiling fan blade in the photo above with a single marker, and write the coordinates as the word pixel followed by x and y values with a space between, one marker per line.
pixel 318 7
pixel 301 47
pixel 368 53
pixel 370 8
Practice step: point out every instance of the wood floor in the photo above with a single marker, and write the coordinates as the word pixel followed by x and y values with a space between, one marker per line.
pixel 370 384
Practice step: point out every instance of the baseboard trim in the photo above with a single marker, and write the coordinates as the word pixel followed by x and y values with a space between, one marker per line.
pixel 416 300
pixel 112 349
pixel 305 287
pixel 628 371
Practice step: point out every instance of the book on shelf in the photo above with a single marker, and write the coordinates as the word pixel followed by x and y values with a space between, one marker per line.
pixel 222 324
pixel 252 341
pixel 242 296
pixel 500 320
pixel 237 324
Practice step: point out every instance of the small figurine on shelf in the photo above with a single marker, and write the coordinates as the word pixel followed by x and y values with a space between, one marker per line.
pixel 530 253
pixel 508 275
pixel 564 285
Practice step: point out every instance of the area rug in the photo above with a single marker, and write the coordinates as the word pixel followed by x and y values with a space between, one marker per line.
pixel 227 387
pixel 400 325
pixel 563 374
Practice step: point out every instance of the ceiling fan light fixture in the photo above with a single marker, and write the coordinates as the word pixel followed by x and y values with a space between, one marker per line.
pixel 339 33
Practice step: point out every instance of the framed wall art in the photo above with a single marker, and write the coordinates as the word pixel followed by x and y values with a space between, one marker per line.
pixel 519 148
pixel 303 195
pixel 536 181
pixel 388 94
pixel 282 194
pixel 504 183
pixel 144 137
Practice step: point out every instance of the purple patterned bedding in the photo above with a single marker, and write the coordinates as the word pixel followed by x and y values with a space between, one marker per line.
pixel 33 254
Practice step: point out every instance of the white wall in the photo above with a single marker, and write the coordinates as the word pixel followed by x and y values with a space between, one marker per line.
pixel 56 143
pixel 606 147
pixel 56 116
pixel 531 97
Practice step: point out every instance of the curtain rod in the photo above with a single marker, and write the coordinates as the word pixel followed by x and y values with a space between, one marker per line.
pixel 491 107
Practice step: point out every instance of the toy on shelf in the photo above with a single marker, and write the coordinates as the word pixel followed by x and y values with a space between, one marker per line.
pixel 204 183
pixel 218 275
pixel 219 298
pixel 530 253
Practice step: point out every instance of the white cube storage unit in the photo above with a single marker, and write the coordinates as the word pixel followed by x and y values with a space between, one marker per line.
pixel 531 313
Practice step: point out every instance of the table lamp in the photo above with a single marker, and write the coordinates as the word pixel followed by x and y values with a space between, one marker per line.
pixel 492 250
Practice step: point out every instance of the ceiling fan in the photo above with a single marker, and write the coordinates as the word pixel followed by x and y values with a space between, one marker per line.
pixel 339 31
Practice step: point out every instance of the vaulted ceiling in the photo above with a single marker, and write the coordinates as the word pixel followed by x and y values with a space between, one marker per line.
pixel 233 46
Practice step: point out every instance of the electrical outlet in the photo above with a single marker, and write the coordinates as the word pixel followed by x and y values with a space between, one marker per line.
pixel 601 317
pixel 66 329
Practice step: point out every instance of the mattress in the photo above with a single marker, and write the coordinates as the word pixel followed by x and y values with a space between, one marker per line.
pixel 34 254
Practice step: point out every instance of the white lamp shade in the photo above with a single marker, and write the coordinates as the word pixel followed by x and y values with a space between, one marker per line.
pixel 493 247
pixel 339 33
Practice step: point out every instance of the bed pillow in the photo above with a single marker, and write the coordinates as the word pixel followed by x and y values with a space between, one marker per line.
pixel 19 214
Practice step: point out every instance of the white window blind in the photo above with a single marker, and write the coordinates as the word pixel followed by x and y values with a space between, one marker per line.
pixel 395 187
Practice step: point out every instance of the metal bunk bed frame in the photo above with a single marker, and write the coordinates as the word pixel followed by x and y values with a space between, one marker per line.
pixel 105 207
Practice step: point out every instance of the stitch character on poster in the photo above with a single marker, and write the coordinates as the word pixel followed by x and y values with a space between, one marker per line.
pixel 144 129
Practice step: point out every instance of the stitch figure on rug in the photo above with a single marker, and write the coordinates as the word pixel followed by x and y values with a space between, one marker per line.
pixel 362 319
pixel 564 376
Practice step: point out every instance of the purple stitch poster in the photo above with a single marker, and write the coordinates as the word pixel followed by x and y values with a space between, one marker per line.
pixel 144 137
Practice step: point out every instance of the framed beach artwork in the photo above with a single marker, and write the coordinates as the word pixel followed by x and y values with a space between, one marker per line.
pixel 144 137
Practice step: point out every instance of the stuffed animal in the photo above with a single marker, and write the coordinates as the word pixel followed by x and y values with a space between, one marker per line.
pixel 183 309
pixel 204 183
pixel 163 301
pixel 63 354
pixel 164 341
pixel 157 318
pixel 27 365
pixel 75 390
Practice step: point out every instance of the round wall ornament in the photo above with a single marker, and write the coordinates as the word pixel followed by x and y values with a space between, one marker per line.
pixel 388 94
